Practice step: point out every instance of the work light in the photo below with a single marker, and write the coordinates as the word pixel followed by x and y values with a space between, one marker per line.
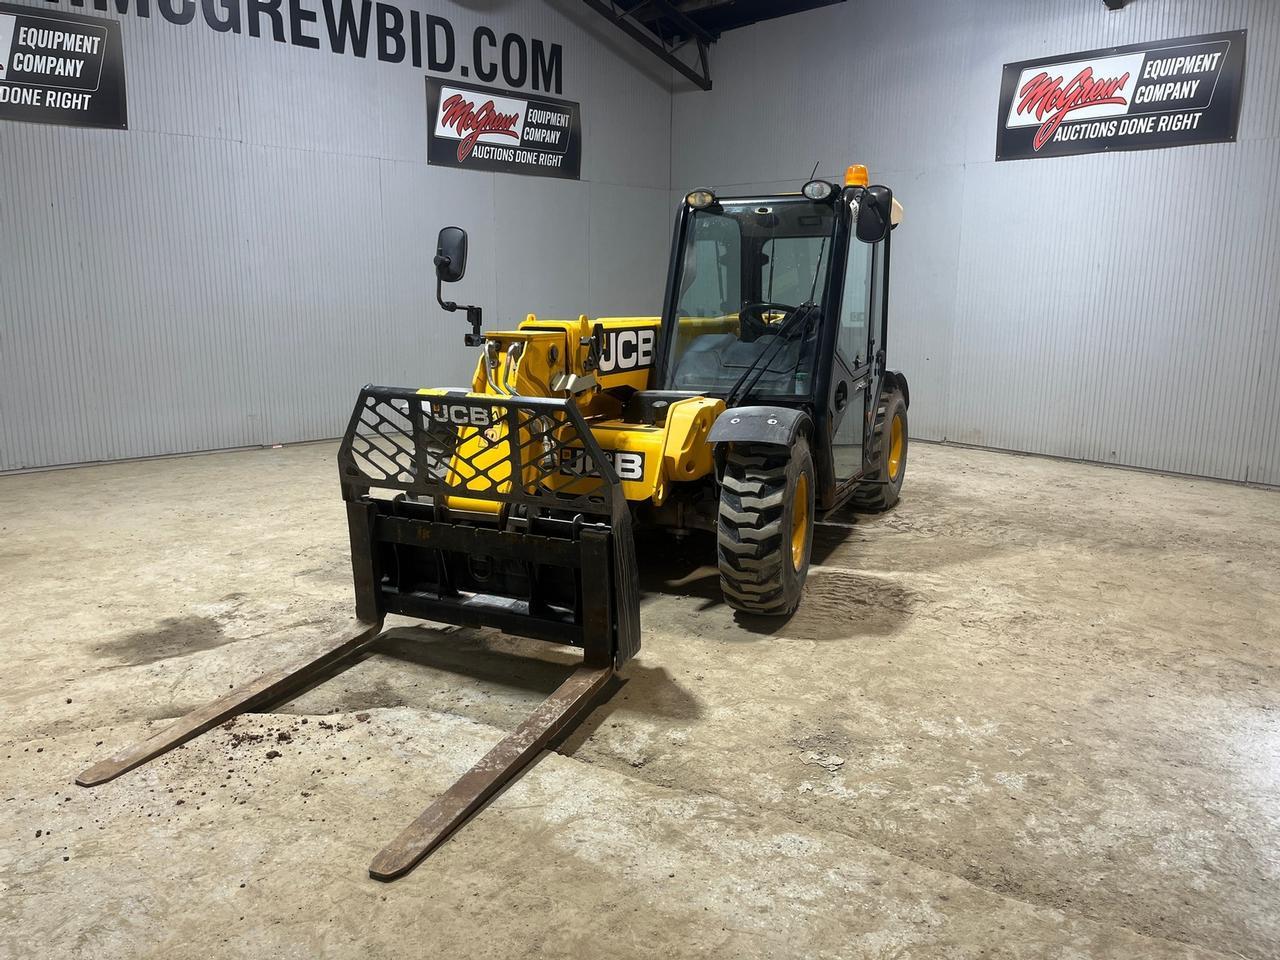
pixel 818 189
pixel 700 199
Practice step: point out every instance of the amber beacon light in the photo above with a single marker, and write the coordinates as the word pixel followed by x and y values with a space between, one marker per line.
pixel 855 175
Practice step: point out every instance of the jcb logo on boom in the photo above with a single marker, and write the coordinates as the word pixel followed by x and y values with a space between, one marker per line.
pixel 627 464
pixel 458 414
pixel 627 349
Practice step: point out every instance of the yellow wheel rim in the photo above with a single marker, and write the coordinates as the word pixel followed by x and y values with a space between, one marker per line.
pixel 800 521
pixel 897 445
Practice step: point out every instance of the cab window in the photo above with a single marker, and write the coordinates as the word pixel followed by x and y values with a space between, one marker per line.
pixel 855 305
pixel 788 274
pixel 717 253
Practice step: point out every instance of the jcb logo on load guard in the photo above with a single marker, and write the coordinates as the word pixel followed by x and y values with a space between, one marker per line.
pixel 458 414
pixel 627 464
pixel 627 349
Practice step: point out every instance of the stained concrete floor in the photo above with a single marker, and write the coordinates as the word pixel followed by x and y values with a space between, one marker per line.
pixel 1033 712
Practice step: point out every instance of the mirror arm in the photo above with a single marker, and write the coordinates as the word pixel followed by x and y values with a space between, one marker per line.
pixel 445 304
pixel 472 339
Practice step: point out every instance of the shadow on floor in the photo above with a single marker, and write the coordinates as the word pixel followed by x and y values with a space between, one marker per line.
pixel 171 637
pixel 181 636
pixel 836 603
pixel 527 665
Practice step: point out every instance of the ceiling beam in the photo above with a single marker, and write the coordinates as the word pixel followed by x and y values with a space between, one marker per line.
pixel 689 27
pixel 658 46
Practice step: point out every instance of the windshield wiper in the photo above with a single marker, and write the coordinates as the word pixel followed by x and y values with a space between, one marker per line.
pixel 742 388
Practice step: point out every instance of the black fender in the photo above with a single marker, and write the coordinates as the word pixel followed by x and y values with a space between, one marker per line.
pixel 896 380
pixel 775 426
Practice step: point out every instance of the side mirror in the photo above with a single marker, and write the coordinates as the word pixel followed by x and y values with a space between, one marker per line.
pixel 451 255
pixel 875 208
pixel 451 264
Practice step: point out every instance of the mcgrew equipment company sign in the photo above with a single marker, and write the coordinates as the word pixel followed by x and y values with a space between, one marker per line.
pixel 481 128
pixel 1140 97
pixel 61 68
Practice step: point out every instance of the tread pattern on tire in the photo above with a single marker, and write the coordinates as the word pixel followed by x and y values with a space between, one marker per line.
pixel 749 532
pixel 874 497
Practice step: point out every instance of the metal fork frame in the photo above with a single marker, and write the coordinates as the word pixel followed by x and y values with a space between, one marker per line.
pixel 599 547
pixel 608 632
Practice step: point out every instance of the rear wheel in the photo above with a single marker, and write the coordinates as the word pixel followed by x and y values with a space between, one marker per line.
pixel 764 533
pixel 889 454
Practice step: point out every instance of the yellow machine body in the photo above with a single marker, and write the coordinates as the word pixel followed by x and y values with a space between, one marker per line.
pixel 550 358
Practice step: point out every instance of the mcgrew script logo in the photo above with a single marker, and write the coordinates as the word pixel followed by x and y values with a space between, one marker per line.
pixel 1043 94
pixel 461 114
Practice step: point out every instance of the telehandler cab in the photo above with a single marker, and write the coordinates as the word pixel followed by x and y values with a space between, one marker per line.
pixel 760 399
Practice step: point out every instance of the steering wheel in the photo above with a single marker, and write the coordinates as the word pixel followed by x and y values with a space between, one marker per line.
pixel 752 324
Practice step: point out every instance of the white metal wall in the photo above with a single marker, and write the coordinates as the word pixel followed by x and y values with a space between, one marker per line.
pixel 257 245
pixel 1120 307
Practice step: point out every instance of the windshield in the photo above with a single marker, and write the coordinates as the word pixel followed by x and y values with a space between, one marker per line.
pixel 746 269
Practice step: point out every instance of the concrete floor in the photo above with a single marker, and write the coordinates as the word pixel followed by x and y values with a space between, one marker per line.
pixel 1032 712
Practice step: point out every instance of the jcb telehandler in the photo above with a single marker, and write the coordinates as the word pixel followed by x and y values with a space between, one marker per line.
pixel 760 398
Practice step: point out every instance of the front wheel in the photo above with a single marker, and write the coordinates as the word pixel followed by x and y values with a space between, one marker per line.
pixel 764 532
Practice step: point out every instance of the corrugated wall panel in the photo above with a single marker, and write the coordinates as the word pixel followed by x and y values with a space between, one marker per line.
pixel 118 305
pixel 258 244
pixel 624 254
pixel 1118 307
pixel 1262 412
pixel 1121 332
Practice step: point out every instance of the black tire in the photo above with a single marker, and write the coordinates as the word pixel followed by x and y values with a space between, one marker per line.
pixel 888 473
pixel 760 572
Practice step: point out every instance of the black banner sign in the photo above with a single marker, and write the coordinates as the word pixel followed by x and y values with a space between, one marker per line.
pixel 61 68
pixel 1140 97
pixel 481 128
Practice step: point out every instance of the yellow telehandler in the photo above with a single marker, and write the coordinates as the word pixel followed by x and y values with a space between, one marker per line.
pixel 759 399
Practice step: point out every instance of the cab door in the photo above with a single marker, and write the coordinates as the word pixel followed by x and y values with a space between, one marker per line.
pixel 851 370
